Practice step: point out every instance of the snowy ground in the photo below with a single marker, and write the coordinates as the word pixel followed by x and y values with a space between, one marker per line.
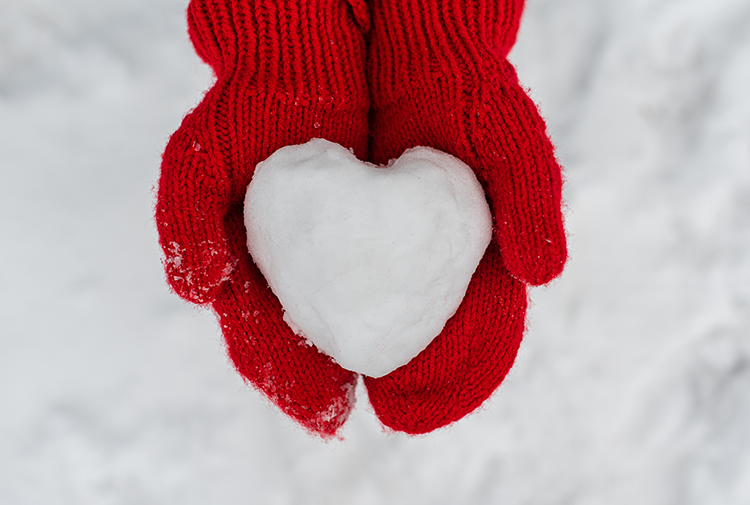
pixel 633 383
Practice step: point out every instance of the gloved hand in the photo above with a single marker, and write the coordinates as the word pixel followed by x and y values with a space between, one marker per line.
pixel 286 71
pixel 439 77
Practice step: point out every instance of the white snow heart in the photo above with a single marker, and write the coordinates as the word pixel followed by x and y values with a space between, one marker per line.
pixel 368 262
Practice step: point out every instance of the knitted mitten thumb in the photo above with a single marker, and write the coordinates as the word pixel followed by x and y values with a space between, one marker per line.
pixel 439 74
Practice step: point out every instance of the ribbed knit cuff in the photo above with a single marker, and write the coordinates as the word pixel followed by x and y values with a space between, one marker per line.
pixel 442 41
pixel 295 45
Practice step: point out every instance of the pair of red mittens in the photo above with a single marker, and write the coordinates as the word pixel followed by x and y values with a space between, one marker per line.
pixel 378 77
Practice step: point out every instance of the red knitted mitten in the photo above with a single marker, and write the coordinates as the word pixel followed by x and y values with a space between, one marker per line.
pixel 439 77
pixel 286 71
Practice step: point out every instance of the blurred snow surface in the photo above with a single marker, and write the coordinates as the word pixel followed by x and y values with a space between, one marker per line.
pixel 633 382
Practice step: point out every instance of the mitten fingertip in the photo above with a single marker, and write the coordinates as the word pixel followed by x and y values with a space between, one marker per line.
pixel 536 266
pixel 197 278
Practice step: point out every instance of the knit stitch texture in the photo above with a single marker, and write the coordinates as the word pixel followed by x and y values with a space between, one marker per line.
pixel 286 71
pixel 437 75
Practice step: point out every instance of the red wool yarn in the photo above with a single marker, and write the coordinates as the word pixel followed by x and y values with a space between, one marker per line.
pixel 439 77
pixel 291 70
pixel 286 71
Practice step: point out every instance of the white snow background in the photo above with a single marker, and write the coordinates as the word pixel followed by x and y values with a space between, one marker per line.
pixel 632 384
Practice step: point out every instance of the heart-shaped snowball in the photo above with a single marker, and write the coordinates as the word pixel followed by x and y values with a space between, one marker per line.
pixel 368 262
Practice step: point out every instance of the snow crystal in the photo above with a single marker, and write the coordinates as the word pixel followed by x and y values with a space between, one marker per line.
pixel 368 262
